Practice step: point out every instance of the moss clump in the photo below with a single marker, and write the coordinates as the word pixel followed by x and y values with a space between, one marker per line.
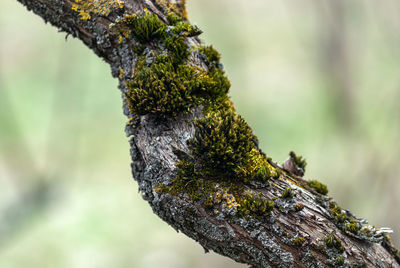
pixel 337 214
pixel 145 28
pixel 168 90
pixel 168 86
pixel 332 242
pixel 345 223
pixel 339 261
pixel 256 205
pixel 299 241
pixel 318 187
pixel 352 227
pixel 185 29
pixel 299 161
pixel 288 193
pixel 225 147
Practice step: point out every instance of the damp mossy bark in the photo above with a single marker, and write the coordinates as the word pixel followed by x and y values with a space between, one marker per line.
pixel 252 210
pixel 223 158
pixel 224 149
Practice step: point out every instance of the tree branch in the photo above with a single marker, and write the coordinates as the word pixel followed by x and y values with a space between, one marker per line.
pixel 196 161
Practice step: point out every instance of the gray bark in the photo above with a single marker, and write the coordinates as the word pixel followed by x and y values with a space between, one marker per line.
pixel 266 242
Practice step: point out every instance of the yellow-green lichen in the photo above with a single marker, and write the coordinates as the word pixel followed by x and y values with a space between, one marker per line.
pixel 197 189
pixel 177 7
pixel 87 8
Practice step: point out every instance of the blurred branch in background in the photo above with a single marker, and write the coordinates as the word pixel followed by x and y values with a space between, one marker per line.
pixel 336 59
pixel 25 212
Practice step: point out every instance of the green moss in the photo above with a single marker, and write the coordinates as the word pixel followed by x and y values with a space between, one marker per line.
pixel 224 150
pixel 168 90
pixel 318 187
pixel 299 161
pixel 185 29
pixel 287 193
pixel 332 242
pixel 352 227
pixel 178 48
pixel 337 214
pixel 168 86
pixel 339 260
pixel 189 181
pixel 145 28
pixel 212 55
pixel 299 241
pixel 172 18
pixel 255 205
pixel 225 147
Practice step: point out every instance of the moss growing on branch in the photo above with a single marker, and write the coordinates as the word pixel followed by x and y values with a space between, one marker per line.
pixel 212 55
pixel 332 242
pixel 299 241
pixel 255 205
pixel 318 187
pixel 144 27
pixel 299 161
pixel 225 147
pixel 288 193
pixel 168 90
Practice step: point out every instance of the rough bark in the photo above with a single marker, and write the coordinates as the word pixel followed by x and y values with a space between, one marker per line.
pixel 297 232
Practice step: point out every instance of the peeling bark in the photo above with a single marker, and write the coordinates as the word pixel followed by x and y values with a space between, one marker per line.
pixel 297 232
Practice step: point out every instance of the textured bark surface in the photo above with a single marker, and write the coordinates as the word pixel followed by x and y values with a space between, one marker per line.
pixel 289 237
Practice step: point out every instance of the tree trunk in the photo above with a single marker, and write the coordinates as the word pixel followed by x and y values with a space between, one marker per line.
pixel 196 161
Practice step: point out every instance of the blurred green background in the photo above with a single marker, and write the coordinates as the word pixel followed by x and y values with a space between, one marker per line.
pixel 317 77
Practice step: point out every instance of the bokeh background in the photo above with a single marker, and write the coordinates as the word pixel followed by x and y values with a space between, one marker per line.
pixel 320 77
